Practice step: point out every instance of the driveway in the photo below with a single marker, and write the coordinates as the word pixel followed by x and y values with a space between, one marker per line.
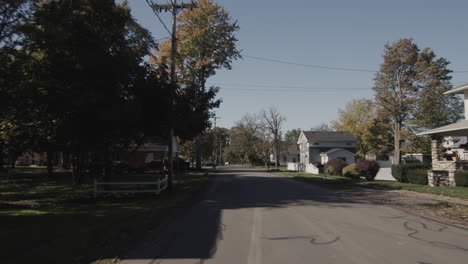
pixel 254 217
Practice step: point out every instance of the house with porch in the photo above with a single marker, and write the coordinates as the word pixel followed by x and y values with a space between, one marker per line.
pixel 318 147
pixel 445 166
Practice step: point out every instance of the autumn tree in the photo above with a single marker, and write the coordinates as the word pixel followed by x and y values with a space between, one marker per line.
pixel 408 83
pixel 206 42
pixel 273 122
pixel 361 119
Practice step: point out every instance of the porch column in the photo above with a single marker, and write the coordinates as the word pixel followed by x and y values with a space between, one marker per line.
pixel 435 150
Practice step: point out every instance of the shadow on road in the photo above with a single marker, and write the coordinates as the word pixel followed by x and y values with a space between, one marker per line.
pixel 196 233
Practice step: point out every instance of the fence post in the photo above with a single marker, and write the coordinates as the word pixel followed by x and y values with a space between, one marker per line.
pixel 325 171
pixel 159 186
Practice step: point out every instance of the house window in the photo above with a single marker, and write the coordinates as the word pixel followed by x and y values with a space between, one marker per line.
pixel 348 143
pixel 285 158
pixel 294 160
pixel 316 143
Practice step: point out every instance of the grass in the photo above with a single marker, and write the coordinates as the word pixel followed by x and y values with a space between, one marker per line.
pixel 338 182
pixel 55 222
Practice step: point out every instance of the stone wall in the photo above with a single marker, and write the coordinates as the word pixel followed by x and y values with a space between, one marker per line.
pixel 441 178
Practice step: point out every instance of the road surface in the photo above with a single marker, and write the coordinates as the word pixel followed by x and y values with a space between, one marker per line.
pixel 254 217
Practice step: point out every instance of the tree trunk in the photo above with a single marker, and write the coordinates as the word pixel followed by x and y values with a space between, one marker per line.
pixel 277 152
pixel 49 165
pixel 2 163
pixel 397 142
pixel 198 164
pixel 13 161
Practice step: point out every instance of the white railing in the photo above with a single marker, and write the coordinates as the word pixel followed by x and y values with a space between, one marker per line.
pixel 311 168
pixel 161 185
pixel 463 156
pixel 293 166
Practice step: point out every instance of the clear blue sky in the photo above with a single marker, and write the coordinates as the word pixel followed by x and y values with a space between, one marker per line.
pixel 344 34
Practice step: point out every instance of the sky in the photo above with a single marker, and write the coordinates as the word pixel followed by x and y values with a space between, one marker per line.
pixel 328 33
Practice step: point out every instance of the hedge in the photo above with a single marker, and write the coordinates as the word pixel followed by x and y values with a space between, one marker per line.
pixel 461 178
pixel 415 173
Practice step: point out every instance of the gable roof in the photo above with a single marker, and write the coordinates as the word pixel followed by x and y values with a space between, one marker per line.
pixel 328 136
pixel 458 90
pixel 335 150
pixel 456 129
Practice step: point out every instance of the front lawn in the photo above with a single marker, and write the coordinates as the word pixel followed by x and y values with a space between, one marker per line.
pixel 49 222
pixel 343 182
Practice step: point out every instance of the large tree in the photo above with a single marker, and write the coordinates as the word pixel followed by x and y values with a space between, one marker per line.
pixel 84 86
pixel 273 121
pixel 206 42
pixel 407 85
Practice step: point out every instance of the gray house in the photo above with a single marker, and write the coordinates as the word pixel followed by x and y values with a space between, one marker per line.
pixel 316 146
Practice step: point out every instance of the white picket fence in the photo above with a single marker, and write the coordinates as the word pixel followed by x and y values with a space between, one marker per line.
pixel 160 185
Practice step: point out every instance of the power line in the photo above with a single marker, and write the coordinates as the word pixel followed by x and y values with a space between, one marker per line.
pixel 151 4
pixel 297 90
pixel 276 86
pixel 319 66
pixel 306 65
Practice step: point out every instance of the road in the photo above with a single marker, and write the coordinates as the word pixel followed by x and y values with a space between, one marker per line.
pixel 253 217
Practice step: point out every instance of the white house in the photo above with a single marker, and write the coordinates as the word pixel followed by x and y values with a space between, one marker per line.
pixel 318 146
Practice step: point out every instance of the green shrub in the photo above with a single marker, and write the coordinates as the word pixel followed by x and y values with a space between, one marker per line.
pixel 416 176
pixel 397 173
pixel 351 171
pixel 461 178
pixel 368 169
pixel 335 166
pixel 411 172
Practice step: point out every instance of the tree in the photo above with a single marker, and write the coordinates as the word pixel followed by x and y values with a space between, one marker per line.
pixel 206 43
pixel 322 127
pixel 407 84
pixel 246 139
pixel 360 118
pixel 82 77
pixel 273 121
pixel 292 135
pixel 13 15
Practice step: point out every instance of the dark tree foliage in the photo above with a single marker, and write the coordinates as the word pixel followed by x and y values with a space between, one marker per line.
pixel 368 169
pixel 335 166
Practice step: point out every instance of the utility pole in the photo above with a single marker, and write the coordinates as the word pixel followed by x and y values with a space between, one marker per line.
pixel 174 8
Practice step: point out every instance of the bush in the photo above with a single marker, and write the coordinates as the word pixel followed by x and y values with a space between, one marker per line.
pixel 461 178
pixel 155 165
pixel 417 176
pixel 411 172
pixel 351 171
pixel 368 169
pixel 335 166
pixel 397 173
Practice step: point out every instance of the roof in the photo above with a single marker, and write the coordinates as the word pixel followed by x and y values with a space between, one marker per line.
pixel 328 136
pixel 458 90
pixel 456 129
pixel 335 150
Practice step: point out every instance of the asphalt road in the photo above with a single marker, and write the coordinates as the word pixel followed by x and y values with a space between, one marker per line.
pixel 253 217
